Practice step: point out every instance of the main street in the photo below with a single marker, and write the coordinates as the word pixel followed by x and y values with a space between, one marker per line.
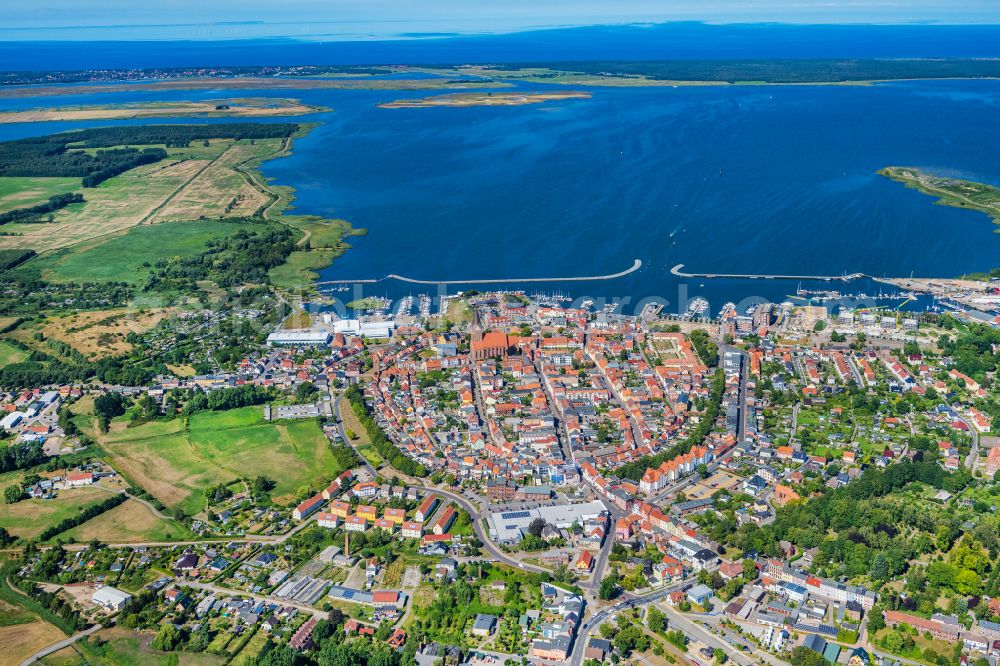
pixel 605 552
pixel 973 457
pixel 480 531
pixel 741 421
pixel 690 625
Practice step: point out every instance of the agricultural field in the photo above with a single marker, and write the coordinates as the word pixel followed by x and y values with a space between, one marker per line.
pixel 115 205
pixel 100 333
pixel 129 522
pixel 220 190
pixel 29 518
pixel 130 256
pixel 11 614
pixel 192 182
pixel 177 464
pixel 121 647
pixel 19 641
pixel 114 234
pixel 23 191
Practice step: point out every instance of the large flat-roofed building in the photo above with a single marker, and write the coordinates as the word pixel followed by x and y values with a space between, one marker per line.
pixel 510 526
pixel 299 338
pixel 366 329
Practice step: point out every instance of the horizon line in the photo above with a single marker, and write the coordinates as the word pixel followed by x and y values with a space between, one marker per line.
pixel 441 35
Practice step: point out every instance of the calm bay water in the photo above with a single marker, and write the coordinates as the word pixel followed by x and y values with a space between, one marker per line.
pixel 724 180
pixel 727 180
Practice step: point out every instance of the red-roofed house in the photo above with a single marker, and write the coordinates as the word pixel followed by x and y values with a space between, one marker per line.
pixel 79 479
pixel 381 598
pixel 308 507
pixel 445 520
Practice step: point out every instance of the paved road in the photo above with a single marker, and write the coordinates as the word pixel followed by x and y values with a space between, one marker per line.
pixel 741 420
pixel 59 645
pixel 629 601
pixel 973 456
pixel 473 511
pixel 605 553
pixel 480 531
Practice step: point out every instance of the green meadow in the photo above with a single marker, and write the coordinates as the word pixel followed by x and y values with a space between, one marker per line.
pixel 22 191
pixel 177 463
pixel 130 256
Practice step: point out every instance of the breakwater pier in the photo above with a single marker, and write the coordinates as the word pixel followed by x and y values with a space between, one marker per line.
pixel 676 270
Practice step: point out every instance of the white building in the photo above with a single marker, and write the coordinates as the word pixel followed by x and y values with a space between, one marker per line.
pixel 328 520
pixel 299 338
pixel 509 526
pixel 11 420
pixel 110 598
pixel 367 329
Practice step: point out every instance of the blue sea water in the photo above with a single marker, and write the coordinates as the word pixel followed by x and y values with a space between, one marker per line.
pixel 755 179
pixel 776 180
pixel 665 41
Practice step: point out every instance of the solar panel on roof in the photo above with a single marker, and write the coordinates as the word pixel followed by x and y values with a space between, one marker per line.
pixel 513 515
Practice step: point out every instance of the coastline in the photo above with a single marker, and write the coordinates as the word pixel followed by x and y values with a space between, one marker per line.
pixel 321 239
pixel 251 84
pixel 952 192
pixel 318 240
pixel 568 77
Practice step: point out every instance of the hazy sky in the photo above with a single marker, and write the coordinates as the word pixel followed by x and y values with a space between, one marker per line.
pixel 367 19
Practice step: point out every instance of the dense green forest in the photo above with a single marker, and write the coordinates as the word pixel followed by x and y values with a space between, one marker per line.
pixel 21 456
pixel 782 71
pixel 61 155
pixel 46 160
pixel 40 370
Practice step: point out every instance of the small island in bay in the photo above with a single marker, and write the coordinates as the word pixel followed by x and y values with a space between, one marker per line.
pixel 485 99
pixel 950 191
pixel 246 107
